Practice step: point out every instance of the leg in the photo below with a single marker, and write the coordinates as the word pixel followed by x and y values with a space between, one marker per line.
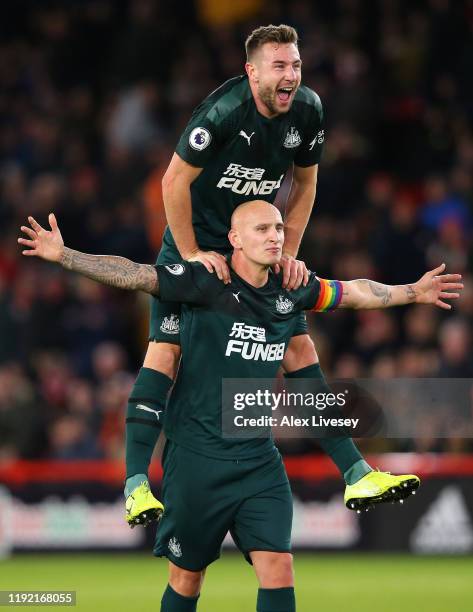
pixel 185 582
pixel 273 570
pixel 262 531
pixel 183 590
pixel 147 402
pixel 364 486
pixel 301 361
pixel 146 405
pixel 145 412
pixel 275 575
pixel 163 357
pixel 200 501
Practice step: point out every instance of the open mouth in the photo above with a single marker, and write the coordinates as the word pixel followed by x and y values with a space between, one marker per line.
pixel 284 93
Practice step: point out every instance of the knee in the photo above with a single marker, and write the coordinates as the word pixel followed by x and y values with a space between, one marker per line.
pixel 163 357
pixel 274 570
pixel 300 353
pixel 184 582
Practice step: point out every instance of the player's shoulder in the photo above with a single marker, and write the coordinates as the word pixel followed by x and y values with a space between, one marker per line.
pixel 226 99
pixel 208 282
pixel 277 278
pixel 308 97
pixel 298 297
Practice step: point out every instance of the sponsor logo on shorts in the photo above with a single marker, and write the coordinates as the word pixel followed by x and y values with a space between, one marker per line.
pixel 170 325
pixel 200 138
pixel 175 547
pixel 176 269
pixel 258 350
pixel 293 139
pixel 284 305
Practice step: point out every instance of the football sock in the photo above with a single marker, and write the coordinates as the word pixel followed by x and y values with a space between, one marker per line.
pixel 340 449
pixel 173 602
pixel 276 600
pixel 144 419
pixel 134 481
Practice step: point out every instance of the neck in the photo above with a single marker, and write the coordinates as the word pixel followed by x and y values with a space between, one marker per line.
pixel 253 273
pixel 260 105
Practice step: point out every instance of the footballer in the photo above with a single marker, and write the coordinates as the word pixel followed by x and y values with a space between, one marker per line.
pixel 213 485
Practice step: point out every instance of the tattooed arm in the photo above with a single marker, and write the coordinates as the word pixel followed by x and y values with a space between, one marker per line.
pixel 111 270
pixel 107 269
pixel 432 288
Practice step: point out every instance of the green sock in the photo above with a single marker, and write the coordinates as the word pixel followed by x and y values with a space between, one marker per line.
pixel 340 449
pixel 134 481
pixel 173 602
pixel 144 419
pixel 276 600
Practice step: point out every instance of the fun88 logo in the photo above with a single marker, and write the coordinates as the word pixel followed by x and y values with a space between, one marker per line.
pixel 256 351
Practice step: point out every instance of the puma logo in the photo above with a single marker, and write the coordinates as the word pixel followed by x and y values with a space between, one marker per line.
pixel 235 295
pixel 156 412
pixel 245 135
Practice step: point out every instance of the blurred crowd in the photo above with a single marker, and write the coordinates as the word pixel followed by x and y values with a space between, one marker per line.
pixel 93 97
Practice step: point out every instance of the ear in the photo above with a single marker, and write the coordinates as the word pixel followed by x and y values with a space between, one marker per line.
pixel 252 72
pixel 234 239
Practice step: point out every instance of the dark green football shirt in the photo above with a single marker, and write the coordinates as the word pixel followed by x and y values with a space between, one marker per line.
pixel 228 331
pixel 244 155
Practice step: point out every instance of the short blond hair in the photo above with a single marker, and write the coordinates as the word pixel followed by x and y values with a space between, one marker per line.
pixel 281 34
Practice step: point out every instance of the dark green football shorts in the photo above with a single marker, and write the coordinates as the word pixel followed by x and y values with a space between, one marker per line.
pixel 165 316
pixel 205 498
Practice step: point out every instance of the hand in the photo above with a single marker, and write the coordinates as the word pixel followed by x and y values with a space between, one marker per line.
pixel 295 272
pixel 213 261
pixel 434 287
pixel 48 245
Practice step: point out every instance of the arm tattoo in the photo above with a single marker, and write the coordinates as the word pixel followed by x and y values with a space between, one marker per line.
pixel 111 270
pixel 380 291
pixel 410 292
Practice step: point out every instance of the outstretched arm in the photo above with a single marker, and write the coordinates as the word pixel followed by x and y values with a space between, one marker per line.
pixel 433 288
pixel 107 269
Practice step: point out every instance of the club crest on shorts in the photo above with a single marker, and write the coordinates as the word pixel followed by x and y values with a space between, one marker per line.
pixel 199 138
pixel 170 325
pixel 175 547
pixel 176 269
pixel 284 305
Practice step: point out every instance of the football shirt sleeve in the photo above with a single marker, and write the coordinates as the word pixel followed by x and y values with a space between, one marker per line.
pixel 186 282
pixel 310 151
pixel 199 142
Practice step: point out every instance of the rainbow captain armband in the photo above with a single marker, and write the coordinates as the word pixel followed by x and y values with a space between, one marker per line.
pixel 330 295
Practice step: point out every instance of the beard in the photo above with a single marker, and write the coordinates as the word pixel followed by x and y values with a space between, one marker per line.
pixel 268 97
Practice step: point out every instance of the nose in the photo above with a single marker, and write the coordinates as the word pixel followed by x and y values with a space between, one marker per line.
pixel 290 74
pixel 274 236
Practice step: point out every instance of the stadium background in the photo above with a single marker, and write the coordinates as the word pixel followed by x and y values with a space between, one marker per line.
pixel 93 96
